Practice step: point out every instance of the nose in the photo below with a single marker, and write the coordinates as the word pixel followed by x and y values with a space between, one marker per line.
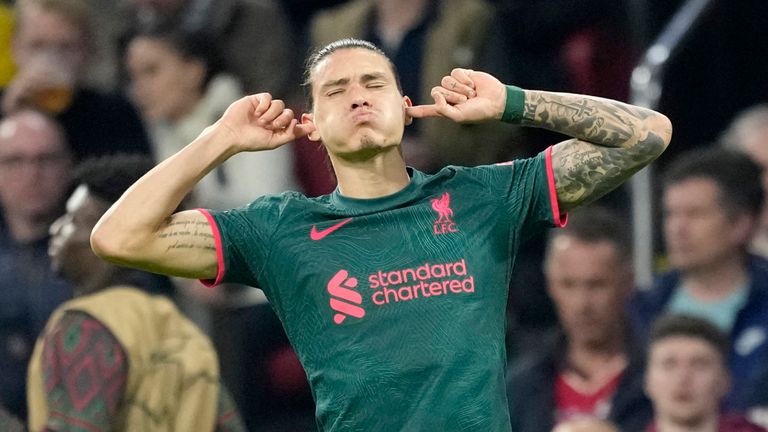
pixel 359 97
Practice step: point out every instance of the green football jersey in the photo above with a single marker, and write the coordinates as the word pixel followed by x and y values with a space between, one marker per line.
pixel 396 305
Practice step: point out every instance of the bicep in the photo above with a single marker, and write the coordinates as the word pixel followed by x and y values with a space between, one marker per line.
pixel 184 245
pixel 85 367
pixel 584 171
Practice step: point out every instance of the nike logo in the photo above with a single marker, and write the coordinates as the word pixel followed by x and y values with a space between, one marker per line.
pixel 314 234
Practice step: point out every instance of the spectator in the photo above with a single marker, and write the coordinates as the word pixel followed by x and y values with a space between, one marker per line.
pixel 711 205
pixel 426 39
pixel 253 37
pixel 51 48
pixel 592 367
pixel 117 358
pixel 586 425
pixel 35 165
pixel 180 90
pixel 748 133
pixel 688 377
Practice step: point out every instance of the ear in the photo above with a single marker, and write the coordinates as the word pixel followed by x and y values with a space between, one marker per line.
pixel 406 104
pixel 743 228
pixel 196 73
pixel 308 118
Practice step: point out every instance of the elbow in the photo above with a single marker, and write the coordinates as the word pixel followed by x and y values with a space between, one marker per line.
pixel 108 246
pixel 661 126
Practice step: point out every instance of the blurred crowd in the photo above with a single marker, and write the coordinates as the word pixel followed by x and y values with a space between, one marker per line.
pixel 85 80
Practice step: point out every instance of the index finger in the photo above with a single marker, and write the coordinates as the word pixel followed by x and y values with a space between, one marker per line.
pixel 422 111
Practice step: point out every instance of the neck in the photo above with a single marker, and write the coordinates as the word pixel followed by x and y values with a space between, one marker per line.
pixel 397 17
pixel 25 229
pixel 715 281
pixel 596 364
pixel 378 176
pixel 99 279
pixel 706 424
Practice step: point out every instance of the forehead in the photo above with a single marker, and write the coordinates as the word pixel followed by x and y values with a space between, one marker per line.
pixel 29 133
pixel 684 347
pixel 348 63
pixel 84 204
pixel 698 189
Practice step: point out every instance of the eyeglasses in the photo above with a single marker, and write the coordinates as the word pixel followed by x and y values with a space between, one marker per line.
pixel 17 162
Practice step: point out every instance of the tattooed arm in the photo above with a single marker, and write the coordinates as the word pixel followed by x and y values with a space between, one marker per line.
pixel 611 140
pixel 141 230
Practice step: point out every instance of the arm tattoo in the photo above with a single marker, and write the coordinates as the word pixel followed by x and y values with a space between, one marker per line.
pixel 613 140
pixel 80 340
pixel 187 233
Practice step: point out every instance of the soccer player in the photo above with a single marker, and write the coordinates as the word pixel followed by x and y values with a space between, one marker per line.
pixel 392 289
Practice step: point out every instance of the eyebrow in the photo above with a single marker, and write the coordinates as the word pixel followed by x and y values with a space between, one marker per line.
pixel 365 78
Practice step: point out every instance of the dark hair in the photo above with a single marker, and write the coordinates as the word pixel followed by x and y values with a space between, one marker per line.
pixel 348 43
pixel 108 177
pixel 595 224
pixel 190 45
pixel 735 174
pixel 678 325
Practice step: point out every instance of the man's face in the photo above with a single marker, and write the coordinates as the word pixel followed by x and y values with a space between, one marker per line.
pixel 47 33
pixel 685 379
pixel 698 231
pixel 69 247
pixel 358 109
pixel 35 167
pixel 589 285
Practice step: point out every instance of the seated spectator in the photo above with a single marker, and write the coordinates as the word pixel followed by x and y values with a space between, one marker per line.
pixel 592 366
pixel 687 377
pixel 116 358
pixel 711 206
pixel 179 90
pixel 51 49
pixel 253 37
pixel 35 165
pixel 748 133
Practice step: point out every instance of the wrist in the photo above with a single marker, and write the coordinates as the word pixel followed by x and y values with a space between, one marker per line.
pixel 514 106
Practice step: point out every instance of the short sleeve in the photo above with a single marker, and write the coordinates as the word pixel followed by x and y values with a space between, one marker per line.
pixel 242 238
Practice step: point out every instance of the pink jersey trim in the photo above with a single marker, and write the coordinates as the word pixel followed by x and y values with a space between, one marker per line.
pixel 561 219
pixel 219 250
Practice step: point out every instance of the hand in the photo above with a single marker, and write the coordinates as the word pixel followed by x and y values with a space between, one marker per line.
pixel 465 96
pixel 258 122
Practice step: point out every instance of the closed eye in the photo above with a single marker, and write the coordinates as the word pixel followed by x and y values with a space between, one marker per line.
pixel 334 92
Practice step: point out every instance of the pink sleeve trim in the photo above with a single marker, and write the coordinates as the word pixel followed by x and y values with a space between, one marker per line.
pixel 561 219
pixel 219 250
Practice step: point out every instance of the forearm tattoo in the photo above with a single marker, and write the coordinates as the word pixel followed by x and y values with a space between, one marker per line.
pixel 613 141
pixel 187 233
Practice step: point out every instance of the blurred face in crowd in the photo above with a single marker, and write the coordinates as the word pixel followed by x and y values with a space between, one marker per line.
pixel 358 109
pixel 69 247
pixel 699 232
pixel 585 425
pixel 754 142
pixel 589 285
pixel 42 33
pixel 685 378
pixel 35 166
pixel 165 85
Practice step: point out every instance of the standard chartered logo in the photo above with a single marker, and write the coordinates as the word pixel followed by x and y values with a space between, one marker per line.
pixel 340 287
pixel 388 288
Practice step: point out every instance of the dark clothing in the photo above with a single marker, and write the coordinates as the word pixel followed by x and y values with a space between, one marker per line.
pixel 728 423
pixel 531 390
pixel 98 124
pixel 749 336
pixel 30 291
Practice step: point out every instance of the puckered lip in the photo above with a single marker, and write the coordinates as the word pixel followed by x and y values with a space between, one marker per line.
pixel 361 116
